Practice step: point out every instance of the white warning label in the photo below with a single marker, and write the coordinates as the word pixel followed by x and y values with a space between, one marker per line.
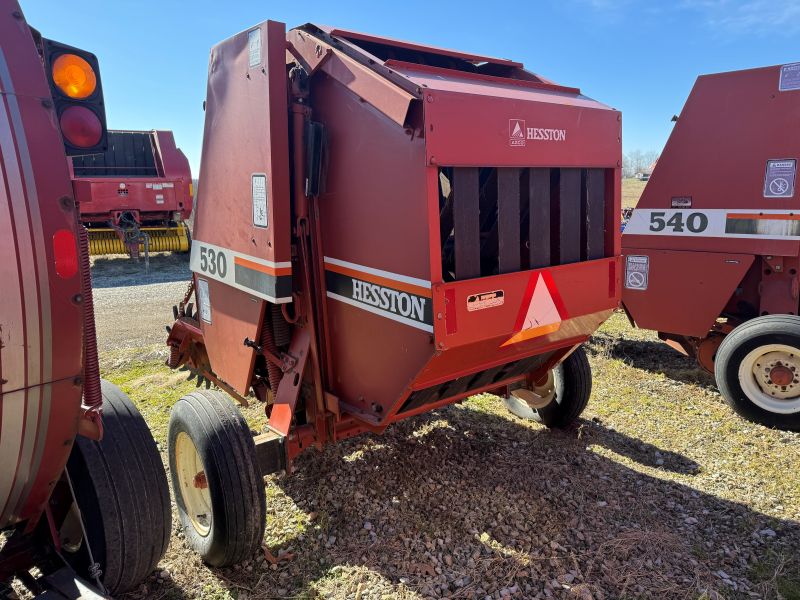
pixel 254 47
pixel 203 300
pixel 779 178
pixel 260 200
pixel 637 272
pixel 790 78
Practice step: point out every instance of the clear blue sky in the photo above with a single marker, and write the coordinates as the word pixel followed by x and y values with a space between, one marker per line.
pixel 639 57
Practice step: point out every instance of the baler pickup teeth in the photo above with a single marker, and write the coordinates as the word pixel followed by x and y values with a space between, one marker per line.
pixel 162 239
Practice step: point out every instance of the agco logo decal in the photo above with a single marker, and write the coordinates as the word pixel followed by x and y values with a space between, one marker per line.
pixel 519 133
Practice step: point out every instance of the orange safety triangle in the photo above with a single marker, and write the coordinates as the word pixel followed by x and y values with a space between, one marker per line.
pixel 542 309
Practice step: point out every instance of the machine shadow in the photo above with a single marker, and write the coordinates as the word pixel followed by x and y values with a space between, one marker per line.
pixel 460 501
pixel 658 357
pixel 122 271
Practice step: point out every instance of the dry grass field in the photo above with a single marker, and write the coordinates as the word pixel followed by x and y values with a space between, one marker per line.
pixel 631 190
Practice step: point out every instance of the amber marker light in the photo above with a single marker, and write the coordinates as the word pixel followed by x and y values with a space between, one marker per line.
pixel 74 76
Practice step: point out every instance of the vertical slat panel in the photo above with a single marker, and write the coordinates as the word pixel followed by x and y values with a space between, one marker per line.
pixel 465 222
pixel 539 217
pixel 595 213
pixel 508 255
pixel 569 225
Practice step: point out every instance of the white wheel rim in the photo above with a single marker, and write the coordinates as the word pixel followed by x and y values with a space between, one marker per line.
pixel 193 484
pixel 770 378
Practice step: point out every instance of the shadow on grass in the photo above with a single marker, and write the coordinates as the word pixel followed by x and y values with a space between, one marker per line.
pixel 464 503
pixel 653 356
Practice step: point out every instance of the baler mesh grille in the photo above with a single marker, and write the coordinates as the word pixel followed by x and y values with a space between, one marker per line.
pixel 496 220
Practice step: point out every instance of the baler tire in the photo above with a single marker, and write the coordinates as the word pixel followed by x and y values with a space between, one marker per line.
pixel 777 330
pixel 122 492
pixel 573 382
pixel 224 444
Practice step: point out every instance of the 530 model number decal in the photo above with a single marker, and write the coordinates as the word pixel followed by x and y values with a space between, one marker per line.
pixel 213 262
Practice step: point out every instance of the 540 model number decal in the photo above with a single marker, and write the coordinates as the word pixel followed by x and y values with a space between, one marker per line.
pixel 678 221
pixel 741 223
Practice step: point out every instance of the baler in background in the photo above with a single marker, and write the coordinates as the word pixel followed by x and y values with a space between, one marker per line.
pixel 712 250
pixel 135 196
pixel 83 493
pixel 383 228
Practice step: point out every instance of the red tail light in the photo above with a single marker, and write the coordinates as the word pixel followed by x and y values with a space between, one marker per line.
pixel 81 127
pixel 65 253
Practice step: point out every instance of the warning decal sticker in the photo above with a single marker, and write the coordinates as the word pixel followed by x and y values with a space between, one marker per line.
pixel 542 309
pixel 779 178
pixel 259 200
pixel 637 272
pixel 254 47
pixel 485 300
pixel 790 78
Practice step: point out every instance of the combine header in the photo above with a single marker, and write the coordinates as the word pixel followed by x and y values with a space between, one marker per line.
pixel 713 247
pixel 415 226
pixel 136 195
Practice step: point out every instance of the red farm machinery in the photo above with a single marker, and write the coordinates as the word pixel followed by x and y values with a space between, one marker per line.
pixel 712 250
pixel 82 488
pixel 382 229
pixel 136 195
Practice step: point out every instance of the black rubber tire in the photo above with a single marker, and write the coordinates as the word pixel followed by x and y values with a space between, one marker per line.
pixel 573 381
pixel 769 329
pixel 238 504
pixel 122 491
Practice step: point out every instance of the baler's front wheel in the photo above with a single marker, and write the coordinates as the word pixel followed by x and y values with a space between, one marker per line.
pixel 218 487
pixel 121 490
pixel 757 369
pixel 560 400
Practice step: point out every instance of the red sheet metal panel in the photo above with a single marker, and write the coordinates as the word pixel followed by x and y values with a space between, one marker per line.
pixel 242 227
pixel 473 58
pixel 554 127
pixel 40 321
pixel 686 291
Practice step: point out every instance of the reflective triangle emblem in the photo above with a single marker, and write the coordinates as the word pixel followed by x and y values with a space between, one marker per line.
pixel 542 309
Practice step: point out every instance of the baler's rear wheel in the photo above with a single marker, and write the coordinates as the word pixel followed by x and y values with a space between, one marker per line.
pixel 122 492
pixel 218 487
pixel 560 400
pixel 757 369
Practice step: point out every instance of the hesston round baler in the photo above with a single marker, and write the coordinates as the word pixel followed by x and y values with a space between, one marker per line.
pixel 83 493
pixel 382 229
pixel 136 195
pixel 712 249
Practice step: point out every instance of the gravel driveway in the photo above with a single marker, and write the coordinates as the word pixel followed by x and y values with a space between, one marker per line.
pixel 132 306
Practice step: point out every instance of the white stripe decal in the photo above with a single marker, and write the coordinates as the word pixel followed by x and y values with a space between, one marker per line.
pixel 378 272
pixel 712 223
pixel 228 275
pixel 382 313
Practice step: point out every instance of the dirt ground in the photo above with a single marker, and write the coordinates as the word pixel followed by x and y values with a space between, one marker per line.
pixel 658 492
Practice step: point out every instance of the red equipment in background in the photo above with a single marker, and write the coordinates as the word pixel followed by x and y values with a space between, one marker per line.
pixel 81 472
pixel 713 247
pixel 424 226
pixel 136 195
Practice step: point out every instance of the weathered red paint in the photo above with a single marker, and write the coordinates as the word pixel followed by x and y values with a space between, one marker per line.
pixel 41 331
pixel 390 126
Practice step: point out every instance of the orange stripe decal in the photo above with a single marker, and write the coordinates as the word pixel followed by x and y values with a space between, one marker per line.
pixel 382 281
pixel 764 217
pixel 277 272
